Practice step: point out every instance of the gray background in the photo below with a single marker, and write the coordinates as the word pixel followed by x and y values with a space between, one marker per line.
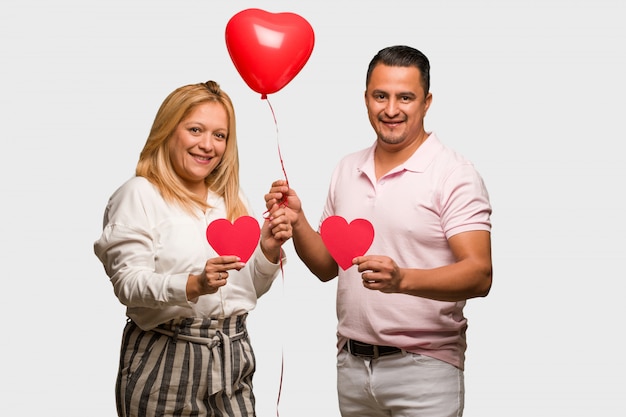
pixel 531 91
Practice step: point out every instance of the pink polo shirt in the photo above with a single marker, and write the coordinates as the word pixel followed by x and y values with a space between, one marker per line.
pixel 414 210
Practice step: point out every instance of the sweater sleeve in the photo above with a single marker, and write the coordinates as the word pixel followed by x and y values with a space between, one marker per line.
pixel 126 250
pixel 264 272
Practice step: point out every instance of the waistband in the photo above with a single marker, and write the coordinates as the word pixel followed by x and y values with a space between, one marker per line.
pixel 203 330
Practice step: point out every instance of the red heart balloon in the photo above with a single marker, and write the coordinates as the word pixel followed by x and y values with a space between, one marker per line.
pixel 239 238
pixel 345 241
pixel 268 49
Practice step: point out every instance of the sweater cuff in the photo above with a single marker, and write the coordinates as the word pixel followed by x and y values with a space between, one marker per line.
pixel 264 264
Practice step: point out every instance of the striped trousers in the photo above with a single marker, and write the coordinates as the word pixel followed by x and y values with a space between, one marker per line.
pixel 188 367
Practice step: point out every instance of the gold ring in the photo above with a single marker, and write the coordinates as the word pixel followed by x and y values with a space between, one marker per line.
pixel 219 276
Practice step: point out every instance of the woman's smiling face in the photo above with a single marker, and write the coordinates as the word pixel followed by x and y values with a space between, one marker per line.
pixel 198 144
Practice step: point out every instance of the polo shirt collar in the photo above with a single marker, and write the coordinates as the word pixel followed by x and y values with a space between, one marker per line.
pixel 418 162
pixel 424 155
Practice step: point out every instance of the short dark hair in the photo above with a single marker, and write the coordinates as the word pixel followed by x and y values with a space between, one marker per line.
pixel 402 56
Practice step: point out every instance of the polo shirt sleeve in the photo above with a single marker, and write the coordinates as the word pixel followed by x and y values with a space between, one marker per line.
pixel 464 201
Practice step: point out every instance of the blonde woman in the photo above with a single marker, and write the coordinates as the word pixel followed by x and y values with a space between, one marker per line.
pixel 185 349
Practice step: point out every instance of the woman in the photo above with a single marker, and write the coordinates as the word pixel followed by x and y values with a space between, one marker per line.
pixel 185 350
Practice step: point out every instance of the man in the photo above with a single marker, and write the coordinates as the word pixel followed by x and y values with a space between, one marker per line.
pixel 401 328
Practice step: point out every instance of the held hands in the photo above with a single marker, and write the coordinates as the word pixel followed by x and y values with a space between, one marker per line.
pixel 379 273
pixel 276 230
pixel 278 227
pixel 280 195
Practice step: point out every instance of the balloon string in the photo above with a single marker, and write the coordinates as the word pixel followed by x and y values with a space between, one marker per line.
pixel 266 215
pixel 282 352
pixel 280 156
pixel 282 366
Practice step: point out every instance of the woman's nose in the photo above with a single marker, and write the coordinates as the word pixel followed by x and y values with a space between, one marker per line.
pixel 206 143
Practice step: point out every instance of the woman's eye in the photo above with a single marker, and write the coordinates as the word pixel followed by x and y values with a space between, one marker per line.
pixel 194 130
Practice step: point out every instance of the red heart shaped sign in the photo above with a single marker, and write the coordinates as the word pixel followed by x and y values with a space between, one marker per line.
pixel 239 238
pixel 268 49
pixel 346 240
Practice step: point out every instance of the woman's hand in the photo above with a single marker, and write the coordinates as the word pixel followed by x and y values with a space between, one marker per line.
pixel 214 276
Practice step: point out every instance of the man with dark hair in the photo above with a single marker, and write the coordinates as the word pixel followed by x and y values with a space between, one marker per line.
pixel 401 329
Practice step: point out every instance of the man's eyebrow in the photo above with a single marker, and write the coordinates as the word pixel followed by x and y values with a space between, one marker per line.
pixel 400 94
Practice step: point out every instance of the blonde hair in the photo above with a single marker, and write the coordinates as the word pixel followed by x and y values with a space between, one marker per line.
pixel 154 160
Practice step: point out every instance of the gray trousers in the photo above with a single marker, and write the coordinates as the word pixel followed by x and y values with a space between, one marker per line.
pixel 400 385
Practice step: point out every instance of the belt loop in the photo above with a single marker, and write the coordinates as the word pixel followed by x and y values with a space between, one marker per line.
pixel 176 331
pixel 349 344
pixel 375 352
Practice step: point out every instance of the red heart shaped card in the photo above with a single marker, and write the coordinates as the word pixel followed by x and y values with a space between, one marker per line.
pixel 346 241
pixel 239 238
